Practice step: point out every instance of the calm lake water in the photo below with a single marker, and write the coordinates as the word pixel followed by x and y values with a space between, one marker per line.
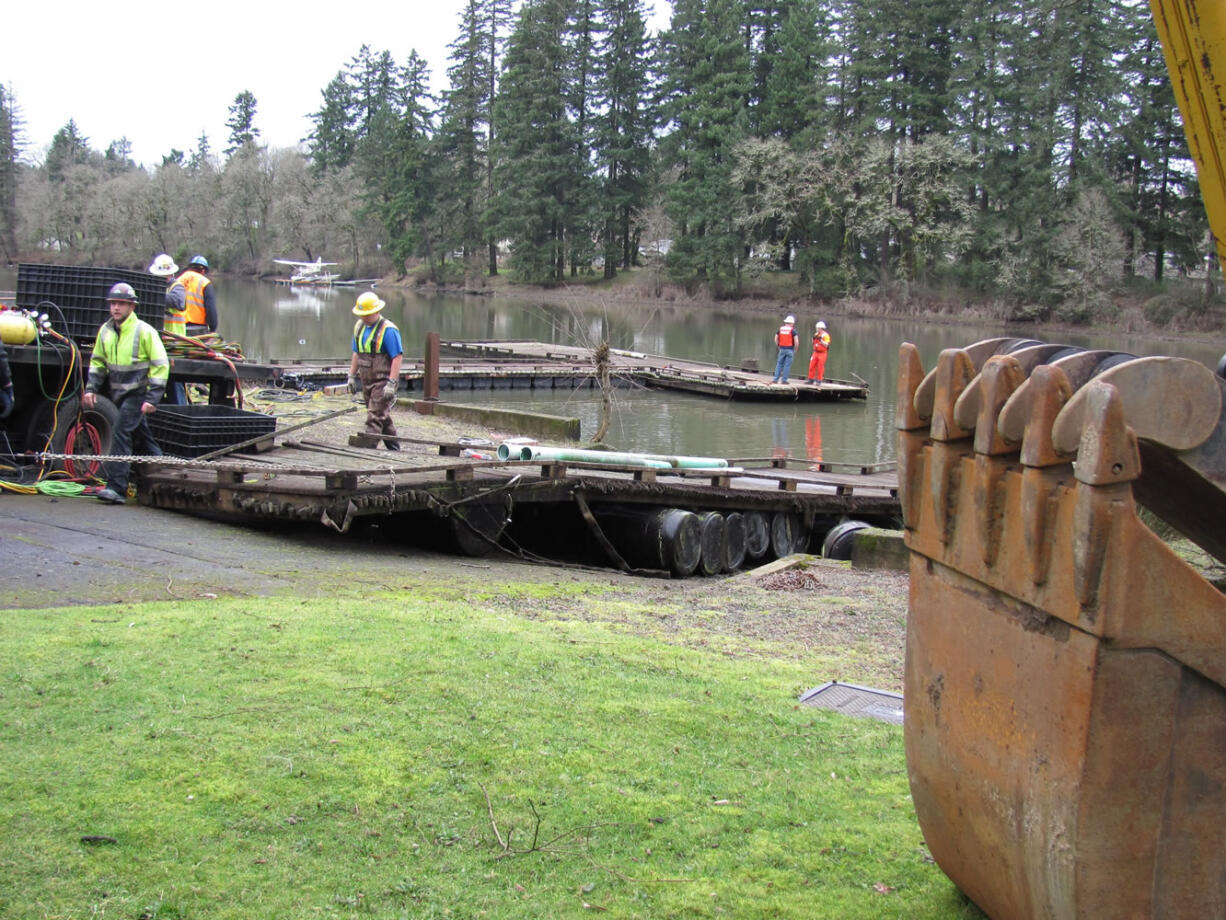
pixel 277 322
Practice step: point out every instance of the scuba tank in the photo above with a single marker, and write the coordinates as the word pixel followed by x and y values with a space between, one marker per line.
pixel 16 328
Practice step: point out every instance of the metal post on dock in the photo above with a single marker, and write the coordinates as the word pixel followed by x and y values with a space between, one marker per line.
pixel 430 379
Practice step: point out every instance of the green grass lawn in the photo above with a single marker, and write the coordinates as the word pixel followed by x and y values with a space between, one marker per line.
pixel 423 753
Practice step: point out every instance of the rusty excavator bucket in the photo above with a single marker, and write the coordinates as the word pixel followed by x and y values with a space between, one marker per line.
pixel 1065 691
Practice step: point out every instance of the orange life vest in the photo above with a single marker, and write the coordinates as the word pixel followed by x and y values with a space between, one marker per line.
pixel 786 336
pixel 194 283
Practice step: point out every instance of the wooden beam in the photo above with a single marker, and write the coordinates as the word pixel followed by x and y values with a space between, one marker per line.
pixel 345 480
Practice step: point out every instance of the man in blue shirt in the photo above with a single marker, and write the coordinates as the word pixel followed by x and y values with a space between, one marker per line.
pixel 375 368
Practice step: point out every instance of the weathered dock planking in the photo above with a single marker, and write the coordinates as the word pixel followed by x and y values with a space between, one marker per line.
pixel 470 501
pixel 539 365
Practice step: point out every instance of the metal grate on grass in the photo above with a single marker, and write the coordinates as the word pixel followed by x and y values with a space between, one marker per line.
pixel 852 700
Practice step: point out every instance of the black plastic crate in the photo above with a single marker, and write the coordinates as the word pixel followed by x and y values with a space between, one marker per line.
pixel 79 291
pixel 189 431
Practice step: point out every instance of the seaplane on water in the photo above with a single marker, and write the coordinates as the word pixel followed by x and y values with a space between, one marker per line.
pixel 309 272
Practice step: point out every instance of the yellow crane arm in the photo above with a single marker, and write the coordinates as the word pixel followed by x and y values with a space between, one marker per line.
pixel 1193 34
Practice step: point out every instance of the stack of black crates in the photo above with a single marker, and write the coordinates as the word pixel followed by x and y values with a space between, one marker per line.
pixel 191 431
pixel 74 296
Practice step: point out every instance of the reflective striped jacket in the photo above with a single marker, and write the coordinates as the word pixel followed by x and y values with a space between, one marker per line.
pixel 131 358
pixel 368 340
pixel 194 284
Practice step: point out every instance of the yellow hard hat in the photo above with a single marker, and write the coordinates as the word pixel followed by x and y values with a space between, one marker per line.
pixel 367 304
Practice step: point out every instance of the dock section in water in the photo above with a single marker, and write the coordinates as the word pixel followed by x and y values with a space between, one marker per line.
pixel 540 365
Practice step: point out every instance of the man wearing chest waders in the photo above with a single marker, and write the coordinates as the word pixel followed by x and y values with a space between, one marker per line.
pixel 375 368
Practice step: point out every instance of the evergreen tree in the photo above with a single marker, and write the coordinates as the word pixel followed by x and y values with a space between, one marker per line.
pixel 462 140
pixel 242 122
pixel 468 128
pixel 790 103
pixel 621 128
pixel 584 34
pixel 201 159
pixel 118 156
pixel 10 153
pixel 707 83
pixel 1148 159
pixel 373 80
pixel 1092 34
pixel 68 148
pixel 538 171
pixel 331 143
pixel 393 160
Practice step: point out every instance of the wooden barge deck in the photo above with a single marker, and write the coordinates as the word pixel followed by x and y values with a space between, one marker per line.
pixel 427 488
pixel 539 365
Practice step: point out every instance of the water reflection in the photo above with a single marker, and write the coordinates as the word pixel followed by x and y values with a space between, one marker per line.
pixel 306 299
pixel 779 433
pixel 813 441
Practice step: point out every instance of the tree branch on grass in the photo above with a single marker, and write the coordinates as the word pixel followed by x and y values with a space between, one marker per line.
pixel 553 844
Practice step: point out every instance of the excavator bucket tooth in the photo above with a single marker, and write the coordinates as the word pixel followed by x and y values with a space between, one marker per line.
pixel 1065 685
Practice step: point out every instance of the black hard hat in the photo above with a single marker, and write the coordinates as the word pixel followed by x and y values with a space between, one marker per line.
pixel 122 291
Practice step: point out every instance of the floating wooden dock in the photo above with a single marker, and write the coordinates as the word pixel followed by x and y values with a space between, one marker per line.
pixel 539 365
pixel 545 507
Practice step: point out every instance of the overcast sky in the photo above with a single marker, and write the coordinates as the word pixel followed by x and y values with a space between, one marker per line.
pixel 161 73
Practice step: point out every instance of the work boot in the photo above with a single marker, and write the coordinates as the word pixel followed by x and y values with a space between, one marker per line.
pixel 110 496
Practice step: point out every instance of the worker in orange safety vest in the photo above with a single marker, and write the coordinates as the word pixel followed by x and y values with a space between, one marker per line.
pixel 786 339
pixel 201 308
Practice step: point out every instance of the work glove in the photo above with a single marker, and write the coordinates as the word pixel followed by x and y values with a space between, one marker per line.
pixel 355 384
pixel 6 401
pixel 389 389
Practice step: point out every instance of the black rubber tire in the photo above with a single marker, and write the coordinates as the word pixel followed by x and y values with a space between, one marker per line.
pixel 91 433
pixel 841 539
pixel 757 534
pixel 475 529
pixel 714 549
pixel 734 540
pixel 786 534
pixel 75 432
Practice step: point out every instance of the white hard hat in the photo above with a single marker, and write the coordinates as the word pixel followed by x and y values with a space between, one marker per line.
pixel 820 324
pixel 163 266
pixel 789 318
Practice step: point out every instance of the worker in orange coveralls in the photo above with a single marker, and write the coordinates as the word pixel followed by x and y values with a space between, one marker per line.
pixel 821 346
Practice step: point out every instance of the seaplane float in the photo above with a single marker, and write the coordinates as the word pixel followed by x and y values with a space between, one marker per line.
pixel 309 272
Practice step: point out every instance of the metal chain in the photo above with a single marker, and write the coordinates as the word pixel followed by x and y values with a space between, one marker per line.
pixel 161 460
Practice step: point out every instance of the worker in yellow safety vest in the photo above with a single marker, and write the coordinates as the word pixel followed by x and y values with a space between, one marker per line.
pixel 130 362
pixel 200 311
pixel 374 370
